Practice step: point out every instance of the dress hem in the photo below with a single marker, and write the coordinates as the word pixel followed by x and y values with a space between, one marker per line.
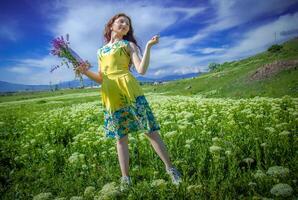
pixel 120 135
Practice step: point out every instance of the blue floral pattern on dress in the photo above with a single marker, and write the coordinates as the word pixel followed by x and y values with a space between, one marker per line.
pixel 137 116
pixel 110 49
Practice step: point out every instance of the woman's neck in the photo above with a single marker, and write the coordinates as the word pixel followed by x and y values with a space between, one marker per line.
pixel 115 38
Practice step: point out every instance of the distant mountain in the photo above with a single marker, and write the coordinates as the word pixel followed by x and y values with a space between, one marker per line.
pixel 168 78
pixel 14 87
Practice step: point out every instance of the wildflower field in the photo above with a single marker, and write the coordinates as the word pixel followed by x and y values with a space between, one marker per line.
pixel 55 148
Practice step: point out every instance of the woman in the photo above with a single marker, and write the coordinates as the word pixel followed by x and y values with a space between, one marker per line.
pixel 126 109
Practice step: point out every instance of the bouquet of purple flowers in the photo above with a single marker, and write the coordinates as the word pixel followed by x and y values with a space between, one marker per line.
pixel 61 49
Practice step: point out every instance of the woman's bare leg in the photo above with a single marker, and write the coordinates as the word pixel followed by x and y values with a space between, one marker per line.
pixel 159 148
pixel 123 155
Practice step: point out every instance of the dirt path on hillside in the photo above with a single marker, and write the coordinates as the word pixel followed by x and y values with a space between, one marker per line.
pixel 271 69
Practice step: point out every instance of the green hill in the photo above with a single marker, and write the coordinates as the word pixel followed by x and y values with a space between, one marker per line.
pixel 272 73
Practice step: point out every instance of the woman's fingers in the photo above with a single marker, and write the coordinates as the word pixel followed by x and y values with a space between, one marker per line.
pixel 155 38
pixel 83 67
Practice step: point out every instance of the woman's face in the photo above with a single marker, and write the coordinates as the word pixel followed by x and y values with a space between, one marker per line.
pixel 121 25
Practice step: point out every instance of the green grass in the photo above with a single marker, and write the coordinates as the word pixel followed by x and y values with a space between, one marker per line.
pixel 41 143
pixel 42 135
pixel 19 96
pixel 231 79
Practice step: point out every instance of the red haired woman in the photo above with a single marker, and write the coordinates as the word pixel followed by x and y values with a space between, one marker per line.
pixel 126 109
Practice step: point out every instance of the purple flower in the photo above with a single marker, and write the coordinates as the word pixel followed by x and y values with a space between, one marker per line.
pixel 61 49
pixel 59 45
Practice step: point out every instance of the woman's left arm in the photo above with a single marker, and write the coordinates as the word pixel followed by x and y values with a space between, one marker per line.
pixel 142 65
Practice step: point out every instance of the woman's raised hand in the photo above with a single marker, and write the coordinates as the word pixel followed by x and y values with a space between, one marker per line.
pixel 83 67
pixel 154 40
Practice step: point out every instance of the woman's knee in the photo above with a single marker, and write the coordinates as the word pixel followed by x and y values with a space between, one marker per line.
pixel 123 140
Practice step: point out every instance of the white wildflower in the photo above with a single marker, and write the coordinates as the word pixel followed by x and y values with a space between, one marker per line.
pixel 259 174
pixel 167 123
pixel 43 196
pixel 76 198
pixel 108 191
pixel 228 153
pixel 281 190
pixel 194 188
pixel 284 133
pixel 248 160
pixel 278 171
pixel 215 148
pixel 52 151
pixel 73 159
pixel 84 167
pixel 189 141
pixel 82 156
pixel 264 144
pixel 171 134
pixel 160 183
pixel 252 184
pixel 270 129
pixel 89 191
pixel 215 139
pixel 182 127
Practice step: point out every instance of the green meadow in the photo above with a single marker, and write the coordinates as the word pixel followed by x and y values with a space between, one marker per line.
pixel 233 79
pixel 232 133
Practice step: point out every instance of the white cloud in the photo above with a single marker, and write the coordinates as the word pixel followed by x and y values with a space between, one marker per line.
pixel 209 50
pixel 85 23
pixel 20 70
pixel 232 13
pixel 29 75
pixel 160 72
pixel 165 60
pixel 178 71
pixel 36 71
pixel 9 31
pixel 258 39
pixel 253 41
pixel 45 77
pixel 43 62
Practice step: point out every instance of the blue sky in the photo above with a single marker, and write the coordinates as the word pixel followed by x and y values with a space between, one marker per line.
pixel 193 33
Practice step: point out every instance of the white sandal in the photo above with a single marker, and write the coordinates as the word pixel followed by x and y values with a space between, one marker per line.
pixel 175 175
pixel 125 182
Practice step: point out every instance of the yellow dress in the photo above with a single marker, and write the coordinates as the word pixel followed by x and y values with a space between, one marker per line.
pixel 126 109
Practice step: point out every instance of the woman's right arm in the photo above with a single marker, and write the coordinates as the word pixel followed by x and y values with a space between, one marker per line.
pixel 97 77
